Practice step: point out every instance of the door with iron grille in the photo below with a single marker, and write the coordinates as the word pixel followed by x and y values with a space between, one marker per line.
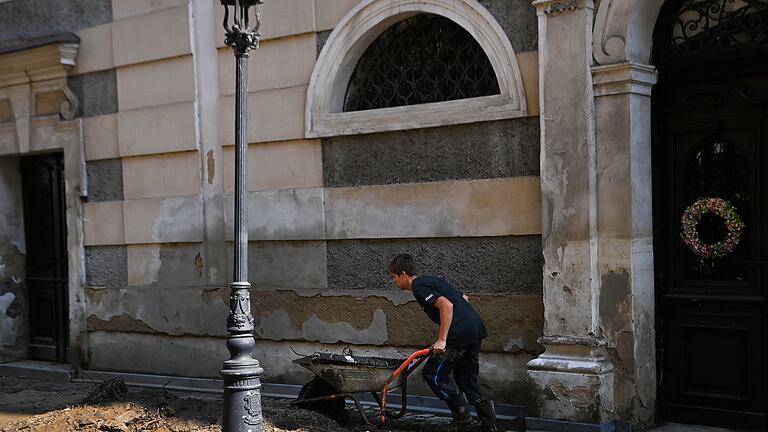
pixel 710 153
pixel 45 226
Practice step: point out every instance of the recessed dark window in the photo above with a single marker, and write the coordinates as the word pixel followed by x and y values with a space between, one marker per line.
pixel 423 59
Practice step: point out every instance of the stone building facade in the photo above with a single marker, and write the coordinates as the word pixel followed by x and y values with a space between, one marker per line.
pixel 541 200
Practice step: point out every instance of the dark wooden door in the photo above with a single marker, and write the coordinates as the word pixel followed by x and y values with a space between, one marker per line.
pixel 46 234
pixel 711 141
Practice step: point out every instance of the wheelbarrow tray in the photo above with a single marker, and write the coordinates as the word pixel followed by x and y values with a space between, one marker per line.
pixel 353 374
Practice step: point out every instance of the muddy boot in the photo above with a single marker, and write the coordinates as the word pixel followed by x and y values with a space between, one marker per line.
pixel 486 412
pixel 462 419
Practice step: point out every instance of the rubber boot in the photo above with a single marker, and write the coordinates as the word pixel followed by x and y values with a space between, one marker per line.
pixel 462 418
pixel 486 412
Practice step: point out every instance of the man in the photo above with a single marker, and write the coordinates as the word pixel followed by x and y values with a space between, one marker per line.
pixel 456 352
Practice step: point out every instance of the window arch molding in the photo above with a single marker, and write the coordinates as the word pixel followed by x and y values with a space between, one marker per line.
pixel 345 46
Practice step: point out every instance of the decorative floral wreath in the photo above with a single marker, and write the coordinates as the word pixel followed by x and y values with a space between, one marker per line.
pixel 719 207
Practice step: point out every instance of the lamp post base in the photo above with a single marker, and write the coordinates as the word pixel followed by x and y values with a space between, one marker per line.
pixel 241 373
pixel 242 396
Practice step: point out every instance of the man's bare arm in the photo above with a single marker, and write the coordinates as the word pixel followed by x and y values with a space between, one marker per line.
pixel 446 317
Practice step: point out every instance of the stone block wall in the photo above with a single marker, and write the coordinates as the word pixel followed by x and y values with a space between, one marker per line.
pixel 325 216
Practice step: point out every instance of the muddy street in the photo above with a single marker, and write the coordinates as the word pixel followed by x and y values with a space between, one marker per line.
pixel 30 405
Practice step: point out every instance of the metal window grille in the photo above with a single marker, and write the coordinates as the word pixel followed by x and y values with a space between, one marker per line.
pixel 425 58
pixel 708 25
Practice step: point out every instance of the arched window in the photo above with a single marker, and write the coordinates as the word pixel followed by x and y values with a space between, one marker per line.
pixel 405 64
pixel 424 59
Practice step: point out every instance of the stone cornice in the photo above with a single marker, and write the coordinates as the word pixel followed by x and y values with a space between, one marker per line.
pixel 623 78
pixel 38 63
pixel 550 7
pixel 30 72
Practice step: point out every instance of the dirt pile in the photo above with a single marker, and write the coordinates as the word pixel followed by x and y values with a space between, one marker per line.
pixel 142 410
pixel 38 406
pixel 113 407
pixel 130 417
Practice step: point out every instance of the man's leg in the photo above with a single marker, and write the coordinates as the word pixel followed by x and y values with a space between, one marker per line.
pixel 466 373
pixel 437 373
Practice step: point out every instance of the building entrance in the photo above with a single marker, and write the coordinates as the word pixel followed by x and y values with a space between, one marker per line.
pixel 711 211
pixel 46 238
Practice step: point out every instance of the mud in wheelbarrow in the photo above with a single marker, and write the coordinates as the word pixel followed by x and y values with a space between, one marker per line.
pixel 350 375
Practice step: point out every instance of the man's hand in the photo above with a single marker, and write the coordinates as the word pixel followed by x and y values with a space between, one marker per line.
pixel 439 346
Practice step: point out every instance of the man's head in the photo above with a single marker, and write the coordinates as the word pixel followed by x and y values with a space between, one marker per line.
pixel 402 270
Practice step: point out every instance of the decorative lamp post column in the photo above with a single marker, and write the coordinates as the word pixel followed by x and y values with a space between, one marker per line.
pixel 242 386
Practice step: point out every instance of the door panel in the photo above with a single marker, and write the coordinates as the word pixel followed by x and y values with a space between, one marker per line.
pixel 710 136
pixel 47 279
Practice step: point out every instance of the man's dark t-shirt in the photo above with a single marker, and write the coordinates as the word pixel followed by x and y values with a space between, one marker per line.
pixel 466 326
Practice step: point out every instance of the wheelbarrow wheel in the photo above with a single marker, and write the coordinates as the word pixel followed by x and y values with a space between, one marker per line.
pixel 336 409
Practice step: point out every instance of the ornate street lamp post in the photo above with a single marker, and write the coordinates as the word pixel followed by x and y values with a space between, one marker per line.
pixel 242 386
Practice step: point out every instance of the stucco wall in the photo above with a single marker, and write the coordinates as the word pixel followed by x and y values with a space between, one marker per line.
pixel 13 295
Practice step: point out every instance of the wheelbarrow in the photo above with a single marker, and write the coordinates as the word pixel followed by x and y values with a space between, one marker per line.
pixel 350 375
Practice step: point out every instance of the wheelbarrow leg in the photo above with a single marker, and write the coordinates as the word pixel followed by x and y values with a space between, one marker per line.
pixel 403 403
pixel 360 410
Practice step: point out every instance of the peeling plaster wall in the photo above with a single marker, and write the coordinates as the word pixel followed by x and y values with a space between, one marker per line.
pixel 178 322
pixel 365 317
pixel 148 322
pixel 13 293
pixel 172 264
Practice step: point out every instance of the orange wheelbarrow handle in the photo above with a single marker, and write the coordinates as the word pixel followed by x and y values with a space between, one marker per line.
pixel 421 355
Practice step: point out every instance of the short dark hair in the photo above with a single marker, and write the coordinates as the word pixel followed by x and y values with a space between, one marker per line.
pixel 402 263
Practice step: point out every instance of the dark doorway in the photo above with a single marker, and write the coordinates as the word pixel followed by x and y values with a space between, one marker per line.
pixel 46 234
pixel 711 141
